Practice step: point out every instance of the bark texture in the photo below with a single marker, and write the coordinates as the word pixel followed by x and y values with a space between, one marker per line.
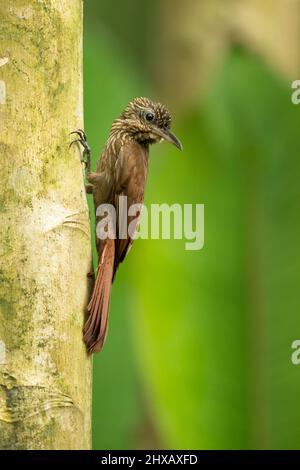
pixel 45 374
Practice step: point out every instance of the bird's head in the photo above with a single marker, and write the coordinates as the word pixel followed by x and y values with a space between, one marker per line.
pixel 146 122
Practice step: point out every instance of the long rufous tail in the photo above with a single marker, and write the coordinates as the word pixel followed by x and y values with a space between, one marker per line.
pixel 95 328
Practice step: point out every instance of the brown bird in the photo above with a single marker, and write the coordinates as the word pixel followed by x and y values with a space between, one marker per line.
pixel 121 171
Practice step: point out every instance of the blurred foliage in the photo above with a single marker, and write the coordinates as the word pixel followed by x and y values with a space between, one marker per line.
pixel 199 345
pixel 128 23
pixel 217 325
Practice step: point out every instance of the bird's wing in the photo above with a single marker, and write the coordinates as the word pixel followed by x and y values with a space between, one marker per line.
pixel 130 179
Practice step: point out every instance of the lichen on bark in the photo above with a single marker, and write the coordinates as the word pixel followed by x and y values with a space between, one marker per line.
pixel 45 374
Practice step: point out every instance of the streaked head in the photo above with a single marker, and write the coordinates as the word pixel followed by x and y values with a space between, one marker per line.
pixel 148 122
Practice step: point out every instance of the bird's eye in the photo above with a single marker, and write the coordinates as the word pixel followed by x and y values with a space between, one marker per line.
pixel 149 116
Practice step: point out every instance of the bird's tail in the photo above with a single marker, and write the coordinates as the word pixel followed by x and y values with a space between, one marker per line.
pixel 95 328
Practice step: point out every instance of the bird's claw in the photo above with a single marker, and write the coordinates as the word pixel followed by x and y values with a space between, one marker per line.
pixel 82 139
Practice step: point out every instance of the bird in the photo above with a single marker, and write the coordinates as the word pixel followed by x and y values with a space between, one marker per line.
pixel 121 170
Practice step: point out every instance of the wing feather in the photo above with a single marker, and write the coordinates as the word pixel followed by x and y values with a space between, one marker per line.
pixel 130 177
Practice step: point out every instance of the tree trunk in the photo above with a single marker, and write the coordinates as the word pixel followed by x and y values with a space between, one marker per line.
pixel 45 374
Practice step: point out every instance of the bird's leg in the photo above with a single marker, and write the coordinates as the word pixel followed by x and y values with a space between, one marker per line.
pixel 86 154
pixel 89 188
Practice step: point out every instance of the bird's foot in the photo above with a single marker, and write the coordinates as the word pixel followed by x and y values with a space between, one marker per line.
pixel 86 155
pixel 89 188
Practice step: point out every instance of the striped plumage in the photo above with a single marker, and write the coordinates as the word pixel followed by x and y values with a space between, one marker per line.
pixel 130 125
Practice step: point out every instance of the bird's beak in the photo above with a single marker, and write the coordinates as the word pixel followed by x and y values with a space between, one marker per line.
pixel 166 134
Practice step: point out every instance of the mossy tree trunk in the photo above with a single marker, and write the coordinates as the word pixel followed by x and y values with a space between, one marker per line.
pixel 45 374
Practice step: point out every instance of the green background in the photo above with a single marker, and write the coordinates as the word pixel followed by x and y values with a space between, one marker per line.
pixel 198 354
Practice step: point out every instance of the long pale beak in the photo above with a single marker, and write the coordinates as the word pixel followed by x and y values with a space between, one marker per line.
pixel 166 134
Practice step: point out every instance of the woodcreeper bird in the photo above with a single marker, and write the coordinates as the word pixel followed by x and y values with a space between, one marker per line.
pixel 121 170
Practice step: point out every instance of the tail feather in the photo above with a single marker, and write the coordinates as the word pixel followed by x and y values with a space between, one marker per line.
pixel 95 328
